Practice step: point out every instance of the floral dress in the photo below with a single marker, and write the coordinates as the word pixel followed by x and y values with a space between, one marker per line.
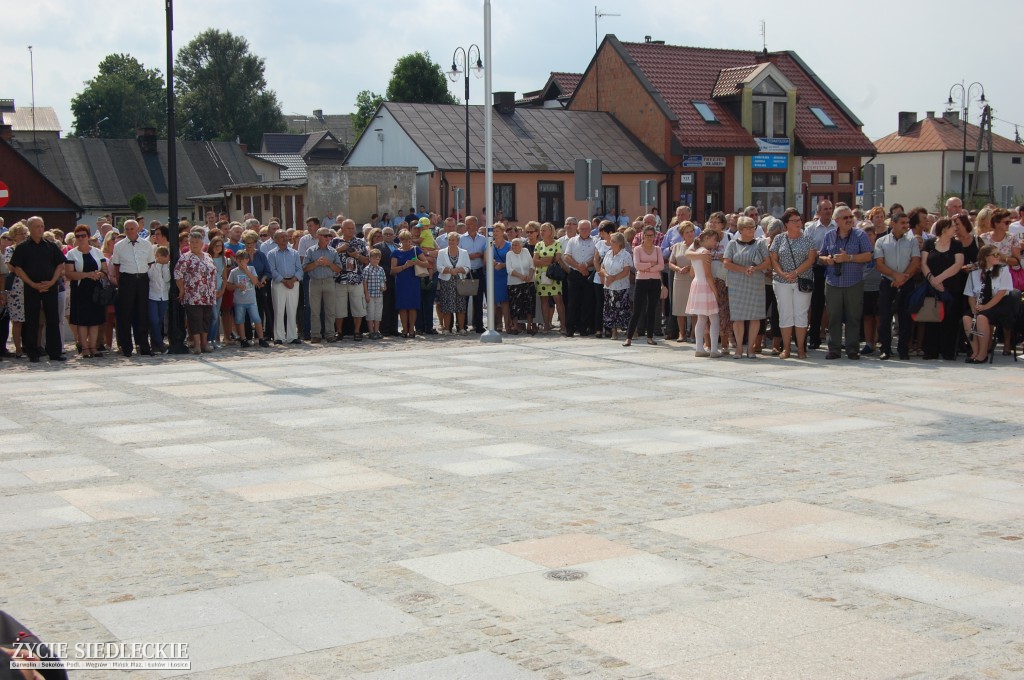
pixel 199 274
pixel 16 292
pixel 550 288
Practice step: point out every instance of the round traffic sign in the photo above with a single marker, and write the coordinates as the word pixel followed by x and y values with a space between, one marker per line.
pixel 5 194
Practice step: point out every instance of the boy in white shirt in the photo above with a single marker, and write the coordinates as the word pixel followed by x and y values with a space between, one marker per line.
pixel 159 293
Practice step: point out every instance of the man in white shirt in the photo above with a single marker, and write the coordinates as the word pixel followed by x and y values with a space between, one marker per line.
pixel 475 244
pixel 578 255
pixel 1017 228
pixel 308 240
pixel 131 259
pixel 816 230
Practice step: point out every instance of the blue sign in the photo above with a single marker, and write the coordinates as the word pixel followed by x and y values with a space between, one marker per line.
pixel 693 161
pixel 860 188
pixel 771 161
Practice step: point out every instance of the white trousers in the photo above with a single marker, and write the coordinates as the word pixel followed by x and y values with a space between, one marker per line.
pixel 286 300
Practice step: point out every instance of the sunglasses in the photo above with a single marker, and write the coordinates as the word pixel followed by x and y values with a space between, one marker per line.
pixel 81 236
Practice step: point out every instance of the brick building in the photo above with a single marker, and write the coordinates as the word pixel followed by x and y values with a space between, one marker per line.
pixel 736 127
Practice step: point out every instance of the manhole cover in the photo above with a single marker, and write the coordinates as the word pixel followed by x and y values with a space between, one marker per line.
pixel 565 575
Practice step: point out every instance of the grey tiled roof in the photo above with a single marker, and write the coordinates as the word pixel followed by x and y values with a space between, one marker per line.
pixel 528 140
pixel 281 142
pixel 295 167
pixel 105 173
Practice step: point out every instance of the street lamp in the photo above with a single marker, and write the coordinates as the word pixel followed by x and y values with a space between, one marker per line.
pixel 964 96
pixel 461 60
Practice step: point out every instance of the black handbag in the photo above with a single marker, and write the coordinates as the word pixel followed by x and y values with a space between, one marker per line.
pixel 802 285
pixel 104 294
pixel 555 271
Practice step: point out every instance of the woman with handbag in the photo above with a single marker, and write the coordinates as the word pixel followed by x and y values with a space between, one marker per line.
pixel 546 254
pixel 988 292
pixel 16 289
pixel 452 266
pixel 792 257
pixel 941 263
pixel 407 286
pixel 86 273
pixel 616 267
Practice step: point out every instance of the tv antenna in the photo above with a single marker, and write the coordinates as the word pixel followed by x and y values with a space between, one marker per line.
pixel 764 35
pixel 600 15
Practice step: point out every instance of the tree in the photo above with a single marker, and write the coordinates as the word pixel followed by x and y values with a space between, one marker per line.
pixel 416 79
pixel 138 203
pixel 122 97
pixel 223 94
pixel 366 103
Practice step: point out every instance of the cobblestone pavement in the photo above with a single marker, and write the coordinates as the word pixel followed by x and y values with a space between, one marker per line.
pixel 541 509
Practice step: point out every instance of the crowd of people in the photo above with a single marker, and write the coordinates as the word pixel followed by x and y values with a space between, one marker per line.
pixel 738 284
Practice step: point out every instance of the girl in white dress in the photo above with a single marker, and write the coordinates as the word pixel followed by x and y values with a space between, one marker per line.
pixel 703 301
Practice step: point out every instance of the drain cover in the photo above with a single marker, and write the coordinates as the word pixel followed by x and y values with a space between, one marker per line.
pixel 565 575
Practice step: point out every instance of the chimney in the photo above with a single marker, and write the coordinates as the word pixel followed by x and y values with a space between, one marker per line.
pixel 244 148
pixel 146 137
pixel 907 120
pixel 762 57
pixel 505 102
pixel 7 133
pixel 318 114
pixel 951 117
pixel 929 114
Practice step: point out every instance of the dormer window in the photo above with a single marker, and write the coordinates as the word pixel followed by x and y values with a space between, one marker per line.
pixel 769 88
pixel 769 109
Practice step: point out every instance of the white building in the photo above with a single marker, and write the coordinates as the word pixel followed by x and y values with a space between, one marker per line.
pixel 924 160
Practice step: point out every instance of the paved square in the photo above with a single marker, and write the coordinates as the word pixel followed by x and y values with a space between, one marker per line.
pixel 542 509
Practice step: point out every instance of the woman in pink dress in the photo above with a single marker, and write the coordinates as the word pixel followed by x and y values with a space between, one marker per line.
pixel 703 300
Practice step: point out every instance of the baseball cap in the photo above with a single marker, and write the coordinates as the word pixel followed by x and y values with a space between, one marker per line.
pixel 424 222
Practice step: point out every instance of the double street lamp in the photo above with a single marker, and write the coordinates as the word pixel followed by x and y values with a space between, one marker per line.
pixel 964 97
pixel 462 64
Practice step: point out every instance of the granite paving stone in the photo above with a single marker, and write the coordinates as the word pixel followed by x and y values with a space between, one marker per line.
pixel 547 508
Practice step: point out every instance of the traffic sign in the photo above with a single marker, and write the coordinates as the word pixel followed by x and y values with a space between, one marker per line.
pixel 5 194
pixel 860 189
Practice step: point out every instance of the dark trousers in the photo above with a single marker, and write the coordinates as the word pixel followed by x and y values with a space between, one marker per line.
pixel 389 317
pixel 845 305
pixel 580 308
pixel 266 310
pixel 304 311
pixel 645 306
pixel 34 300
pixel 133 313
pixel 477 301
pixel 425 317
pixel 892 302
pixel 598 323
pixel 672 329
pixel 817 304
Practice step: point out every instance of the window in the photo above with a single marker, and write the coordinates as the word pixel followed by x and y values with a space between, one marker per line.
pixel 822 117
pixel 779 119
pixel 968 159
pixel 505 200
pixel 821 178
pixel 892 180
pixel 551 202
pixel 705 112
pixel 845 178
pixel 769 88
pixel 1015 160
pixel 768 192
pixel 758 124
pixel 610 200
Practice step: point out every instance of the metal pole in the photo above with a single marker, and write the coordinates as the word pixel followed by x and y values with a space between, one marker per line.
pixel 466 69
pixel 963 157
pixel 175 322
pixel 32 70
pixel 489 335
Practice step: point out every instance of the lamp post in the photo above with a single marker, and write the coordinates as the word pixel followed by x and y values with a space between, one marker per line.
pixel 964 96
pixel 175 316
pixel 461 60
pixel 489 335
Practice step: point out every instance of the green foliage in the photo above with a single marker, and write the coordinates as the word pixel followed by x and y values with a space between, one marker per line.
pixel 126 94
pixel 418 80
pixel 366 103
pixel 138 204
pixel 222 92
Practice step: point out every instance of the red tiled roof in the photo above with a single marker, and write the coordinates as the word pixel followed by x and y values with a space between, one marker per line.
pixel 938 134
pixel 566 82
pixel 681 75
pixel 729 80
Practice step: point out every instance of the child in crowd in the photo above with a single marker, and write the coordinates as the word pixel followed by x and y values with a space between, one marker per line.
pixel 242 280
pixel 374 285
pixel 703 300
pixel 159 294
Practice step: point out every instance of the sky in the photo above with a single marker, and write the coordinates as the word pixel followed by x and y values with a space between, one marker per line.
pixel 879 57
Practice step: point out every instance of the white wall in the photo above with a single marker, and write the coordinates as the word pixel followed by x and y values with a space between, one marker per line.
pixel 398 150
pixel 918 178
pixel 1006 172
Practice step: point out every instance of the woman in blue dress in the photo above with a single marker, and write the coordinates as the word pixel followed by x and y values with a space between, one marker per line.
pixel 502 314
pixel 407 284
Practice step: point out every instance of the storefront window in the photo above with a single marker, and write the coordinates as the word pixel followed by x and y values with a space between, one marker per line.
pixel 768 193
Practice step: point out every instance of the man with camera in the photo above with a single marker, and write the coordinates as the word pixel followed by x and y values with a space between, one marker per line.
pixel 844 252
